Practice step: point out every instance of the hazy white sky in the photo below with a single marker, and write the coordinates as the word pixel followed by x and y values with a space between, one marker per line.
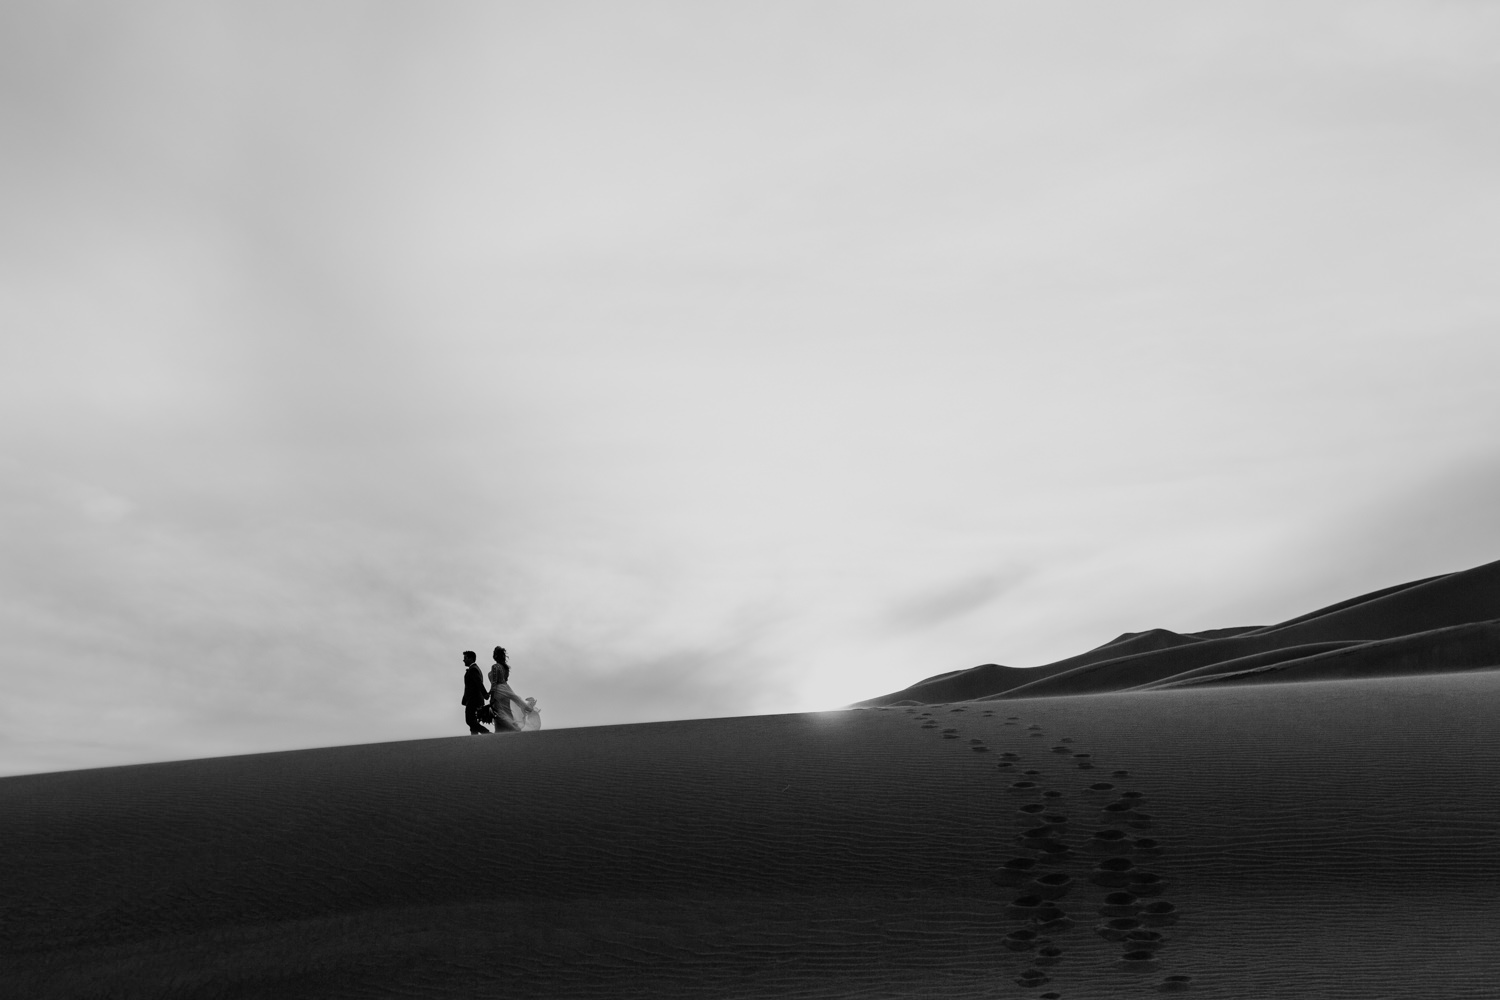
pixel 715 359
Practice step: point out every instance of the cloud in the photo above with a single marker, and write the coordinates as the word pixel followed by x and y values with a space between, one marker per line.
pixel 932 608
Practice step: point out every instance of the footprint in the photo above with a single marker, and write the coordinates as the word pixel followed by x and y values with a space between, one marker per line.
pixel 1016 871
pixel 1110 842
pixel 1032 808
pixel 1038 840
pixel 1052 918
pixel 1116 928
pixel 1062 749
pixel 1082 756
pixel 1138 961
pixel 1005 765
pixel 1011 755
pixel 1084 765
pixel 1174 984
pixel 1147 883
pixel 980 749
pixel 1066 739
pixel 1101 786
pixel 1022 940
pixel 1148 848
pixel 1038 734
pixel 1113 873
pixel 1053 796
pixel 1159 914
pixel 1139 821
pixel 1031 978
pixel 1053 885
pixel 1033 726
pixel 1050 955
pixel 1120 904
pixel 1025 788
pixel 957 710
pixel 1144 940
pixel 1119 774
pixel 1053 853
pixel 1031 837
pixel 1024 907
pixel 950 736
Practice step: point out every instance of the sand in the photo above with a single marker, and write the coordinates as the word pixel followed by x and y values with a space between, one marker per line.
pixel 1321 838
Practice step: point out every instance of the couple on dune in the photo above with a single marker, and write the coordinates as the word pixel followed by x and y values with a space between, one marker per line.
pixel 499 697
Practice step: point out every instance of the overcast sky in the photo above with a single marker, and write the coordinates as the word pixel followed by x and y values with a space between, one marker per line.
pixel 715 358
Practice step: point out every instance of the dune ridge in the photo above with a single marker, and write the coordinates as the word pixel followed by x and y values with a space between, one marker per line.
pixel 1328 839
pixel 1437 623
pixel 1199 827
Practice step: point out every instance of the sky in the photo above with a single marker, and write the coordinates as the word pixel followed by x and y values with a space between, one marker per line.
pixel 714 358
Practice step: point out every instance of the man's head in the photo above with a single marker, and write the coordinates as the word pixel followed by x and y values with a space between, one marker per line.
pixel 469 657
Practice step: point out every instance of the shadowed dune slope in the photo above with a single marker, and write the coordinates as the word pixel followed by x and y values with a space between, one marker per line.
pixel 1330 838
pixel 1416 609
pixel 1223 633
pixel 992 678
pixel 1462 647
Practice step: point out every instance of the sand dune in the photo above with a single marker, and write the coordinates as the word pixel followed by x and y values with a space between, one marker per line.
pixel 1445 650
pixel 1210 832
pixel 1418 612
pixel 1319 839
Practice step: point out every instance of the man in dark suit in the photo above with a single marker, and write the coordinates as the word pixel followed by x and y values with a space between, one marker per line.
pixel 475 695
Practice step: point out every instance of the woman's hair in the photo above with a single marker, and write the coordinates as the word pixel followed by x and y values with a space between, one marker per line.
pixel 503 664
pixel 500 654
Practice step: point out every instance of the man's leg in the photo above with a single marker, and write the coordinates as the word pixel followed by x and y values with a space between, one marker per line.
pixel 472 718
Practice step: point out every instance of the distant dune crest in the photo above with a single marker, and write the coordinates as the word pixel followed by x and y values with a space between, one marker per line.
pixel 1439 624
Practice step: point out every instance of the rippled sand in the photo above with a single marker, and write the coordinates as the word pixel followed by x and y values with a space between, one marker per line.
pixel 1317 839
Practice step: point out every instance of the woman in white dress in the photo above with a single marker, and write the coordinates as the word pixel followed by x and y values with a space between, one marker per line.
pixel 502 697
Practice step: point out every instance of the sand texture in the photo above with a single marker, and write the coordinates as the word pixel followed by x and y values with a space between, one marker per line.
pixel 1297 810
pixel 1335 838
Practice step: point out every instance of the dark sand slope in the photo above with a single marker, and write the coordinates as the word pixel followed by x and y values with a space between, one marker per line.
pixel 1159 657
pixel 993 678
pixel 1444 650
pixel 1322 839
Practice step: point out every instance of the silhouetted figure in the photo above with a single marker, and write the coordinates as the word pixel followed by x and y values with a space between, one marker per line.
pixel 474 694
pixel 501 696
